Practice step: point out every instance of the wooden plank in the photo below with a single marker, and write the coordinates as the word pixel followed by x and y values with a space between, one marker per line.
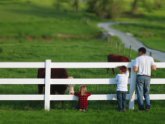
pixel 21 81
pixel 22 65
pixel 47 84
pixel 36 97
pixel 132 89
pixel 89 81
pixel 92 97
pixel 70 64
pixel 157 81
pixel 157 96
pixel 88 64
pixel 97 64
pixel 160 64
pixel 83 81
pixel 94 81
pixel 21 97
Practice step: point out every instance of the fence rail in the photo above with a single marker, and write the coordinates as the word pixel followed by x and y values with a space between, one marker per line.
pixel 69 81
pixel 71 97
pixel 47 97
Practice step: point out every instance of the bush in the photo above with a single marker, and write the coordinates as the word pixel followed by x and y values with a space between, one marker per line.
pixel 106 8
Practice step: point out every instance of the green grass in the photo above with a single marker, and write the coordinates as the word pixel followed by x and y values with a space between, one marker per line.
pixel 91 50
pixel 92 116
pixel 30 32
pixel 57 50
pixel 148 28
pixel 38 21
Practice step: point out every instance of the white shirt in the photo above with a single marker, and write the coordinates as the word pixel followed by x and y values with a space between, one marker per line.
pixel 122 81
pixel 144 64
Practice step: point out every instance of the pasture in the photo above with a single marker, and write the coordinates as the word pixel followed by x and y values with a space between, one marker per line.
pixel 30 32
pixel 148 28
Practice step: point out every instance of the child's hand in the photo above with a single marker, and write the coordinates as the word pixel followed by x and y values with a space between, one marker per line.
pixel 71 93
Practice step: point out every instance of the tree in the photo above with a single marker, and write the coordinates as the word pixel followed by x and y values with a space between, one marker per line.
pixel 59 4
pixel 76 5
pixel 147 5
pixel 134 6
pixel 106 8
pixel 159 4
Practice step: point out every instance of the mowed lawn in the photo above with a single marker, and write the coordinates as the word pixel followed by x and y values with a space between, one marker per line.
pixel 109 116
pixel 33 33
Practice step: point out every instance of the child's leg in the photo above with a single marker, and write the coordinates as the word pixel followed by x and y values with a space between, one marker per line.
pixel 119 100
pixel 124 102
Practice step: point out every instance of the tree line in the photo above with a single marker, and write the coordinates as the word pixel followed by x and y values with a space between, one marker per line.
pixel 114 8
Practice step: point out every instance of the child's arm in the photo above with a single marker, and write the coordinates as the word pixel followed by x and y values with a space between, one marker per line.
pixel 116 78
pixel 88 93
pixel 127 73
pixel 76 94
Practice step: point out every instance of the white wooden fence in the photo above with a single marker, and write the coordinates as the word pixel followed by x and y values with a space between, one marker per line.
pixel 47 97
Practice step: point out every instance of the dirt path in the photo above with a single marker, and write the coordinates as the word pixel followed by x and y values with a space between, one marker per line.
pixel 128 40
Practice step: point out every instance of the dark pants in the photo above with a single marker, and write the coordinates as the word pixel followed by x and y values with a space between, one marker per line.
pixel 121 99
pixel 143 89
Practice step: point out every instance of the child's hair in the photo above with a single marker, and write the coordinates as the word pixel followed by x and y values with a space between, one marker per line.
pixel 123 69
pixel 83 89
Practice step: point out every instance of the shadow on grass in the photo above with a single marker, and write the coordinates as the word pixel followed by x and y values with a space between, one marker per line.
pixel 70 105
pixel 146 26
pixel 56 105
pixel 154 18
pixel 22 105
pixel 148 17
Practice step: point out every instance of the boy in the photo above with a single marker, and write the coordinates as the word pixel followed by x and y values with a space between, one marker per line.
pixel 122 82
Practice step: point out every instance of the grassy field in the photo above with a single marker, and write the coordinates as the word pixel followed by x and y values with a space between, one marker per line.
pixel 37 21
pixel 29 32
pixel 148 28
pixel 92 116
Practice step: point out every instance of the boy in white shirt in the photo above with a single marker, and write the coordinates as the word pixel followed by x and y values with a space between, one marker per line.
pixel 122 82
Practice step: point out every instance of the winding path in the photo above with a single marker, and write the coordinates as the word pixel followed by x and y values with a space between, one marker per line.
pixel 128 40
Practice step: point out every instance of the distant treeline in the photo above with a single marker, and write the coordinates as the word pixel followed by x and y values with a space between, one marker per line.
pixel 106 8
pixel 115 8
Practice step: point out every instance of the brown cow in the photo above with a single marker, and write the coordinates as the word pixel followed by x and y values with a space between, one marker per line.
pixel 116 58
pixel 55 73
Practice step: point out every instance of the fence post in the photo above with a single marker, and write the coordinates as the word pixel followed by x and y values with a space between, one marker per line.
pixel 150 53
pixel 130 51
pixel 47 84
pixel 132 87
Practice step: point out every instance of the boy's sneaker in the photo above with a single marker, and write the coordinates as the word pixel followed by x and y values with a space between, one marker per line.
pixel 148 108
pixel 141 108
pixel 124 110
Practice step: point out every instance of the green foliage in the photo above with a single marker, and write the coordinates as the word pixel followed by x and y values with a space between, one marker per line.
pixel 61 4
pixel 138 6
pixel 106 8
pixel 158 4
pixel 75 5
